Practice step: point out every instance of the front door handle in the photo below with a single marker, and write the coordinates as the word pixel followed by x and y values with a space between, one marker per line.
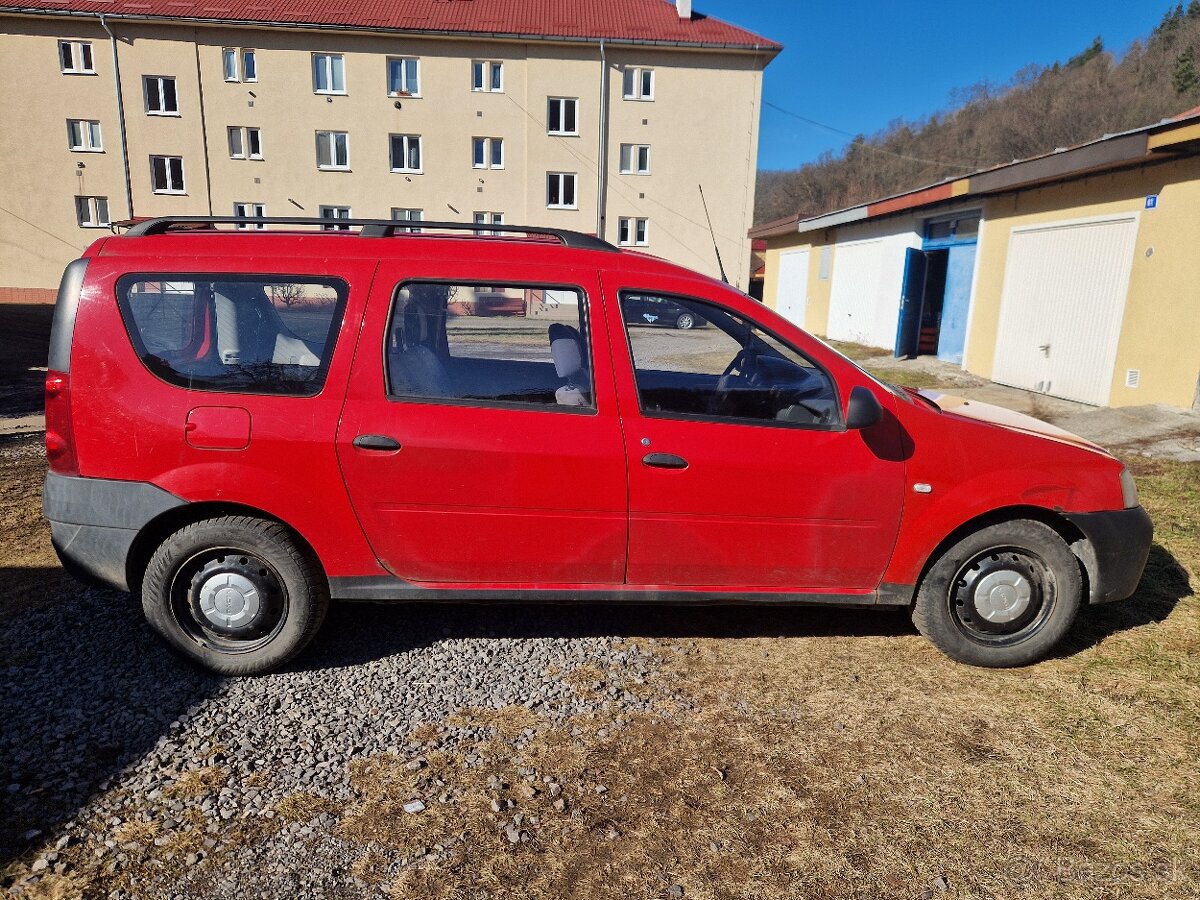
pixel 664 461
pixel 376 442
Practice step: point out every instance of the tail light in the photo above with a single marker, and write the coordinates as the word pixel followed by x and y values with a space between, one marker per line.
pixel 60 436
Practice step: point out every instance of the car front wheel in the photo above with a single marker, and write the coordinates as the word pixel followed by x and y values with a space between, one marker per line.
pixel 1002 596
pixel 237 595
pixel 685 321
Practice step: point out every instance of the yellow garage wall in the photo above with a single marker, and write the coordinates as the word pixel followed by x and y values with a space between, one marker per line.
pixel 1160 334
pixel 816 313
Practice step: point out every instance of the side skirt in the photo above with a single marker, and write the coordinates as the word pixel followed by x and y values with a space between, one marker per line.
pixel 378 588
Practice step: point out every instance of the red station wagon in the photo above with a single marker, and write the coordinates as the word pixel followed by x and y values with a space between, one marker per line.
pixel 245 424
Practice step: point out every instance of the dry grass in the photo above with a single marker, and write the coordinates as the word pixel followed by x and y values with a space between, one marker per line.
pixel 303 806
pixel 198 782
pixel 857 766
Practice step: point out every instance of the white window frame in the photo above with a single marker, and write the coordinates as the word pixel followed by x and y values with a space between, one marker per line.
pixel 250 210
pixel 93 206
pixel 239 57
pixel 406 214
pixel 159 91
pixel 562 178
pixel 488 218
pixel 562 102
pixel 171 188
pixel 406 90
pixel 331 137
pixel 333 213
pixel 243 134
pixel 90 140
pixel 633 231
pixel 632 157
pixel 484 151
pixel 633 84
pixel 407 142
pixel 83 58
pixel 324 63
pixel 484 74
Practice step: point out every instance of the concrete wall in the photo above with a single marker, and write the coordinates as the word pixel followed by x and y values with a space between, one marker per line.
pixel 702 126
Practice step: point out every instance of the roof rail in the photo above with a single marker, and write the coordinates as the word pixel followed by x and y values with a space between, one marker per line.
pixel 369 228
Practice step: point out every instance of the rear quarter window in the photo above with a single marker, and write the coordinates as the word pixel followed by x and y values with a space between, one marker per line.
pixel 234 333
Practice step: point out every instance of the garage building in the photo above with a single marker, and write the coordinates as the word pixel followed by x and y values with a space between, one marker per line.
pixel 1074 274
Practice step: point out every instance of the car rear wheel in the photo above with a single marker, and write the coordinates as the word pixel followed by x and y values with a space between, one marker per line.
pixel 1003 596
pixel 685 321
pixel 237 595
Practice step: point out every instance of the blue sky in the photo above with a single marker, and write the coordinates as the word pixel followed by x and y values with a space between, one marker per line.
pixel 857 66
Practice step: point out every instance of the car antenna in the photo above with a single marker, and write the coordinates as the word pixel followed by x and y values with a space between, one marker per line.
pixel 716 249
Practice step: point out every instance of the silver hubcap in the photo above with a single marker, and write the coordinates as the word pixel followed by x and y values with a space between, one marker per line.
pixel 1002 597
pixel 229 600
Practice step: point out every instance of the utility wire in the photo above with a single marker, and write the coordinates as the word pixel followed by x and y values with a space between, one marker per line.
pixel 866 145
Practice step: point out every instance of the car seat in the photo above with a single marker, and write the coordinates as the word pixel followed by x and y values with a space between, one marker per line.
pixel 570 363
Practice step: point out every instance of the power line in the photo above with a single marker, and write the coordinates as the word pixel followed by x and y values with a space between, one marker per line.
pixel 866 145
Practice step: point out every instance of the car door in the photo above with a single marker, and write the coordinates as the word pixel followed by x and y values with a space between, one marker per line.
pixel 741 472
pixel 470 460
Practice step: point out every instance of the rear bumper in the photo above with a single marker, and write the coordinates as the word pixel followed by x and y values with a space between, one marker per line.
pixel 94 522
pixel 1115 552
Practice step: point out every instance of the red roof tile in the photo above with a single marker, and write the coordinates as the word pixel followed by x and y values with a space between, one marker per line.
pixel 640 21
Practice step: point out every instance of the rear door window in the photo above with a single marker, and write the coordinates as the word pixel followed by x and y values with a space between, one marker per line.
pixel 522 345
pixel 234 333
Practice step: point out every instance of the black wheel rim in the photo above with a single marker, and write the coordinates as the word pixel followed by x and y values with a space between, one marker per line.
pixel 229 600
pixel 1002 596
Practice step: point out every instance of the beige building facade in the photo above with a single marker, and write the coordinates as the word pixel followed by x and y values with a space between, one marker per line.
pixel 124 118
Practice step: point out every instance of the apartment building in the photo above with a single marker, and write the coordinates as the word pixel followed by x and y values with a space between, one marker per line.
pixel 604 116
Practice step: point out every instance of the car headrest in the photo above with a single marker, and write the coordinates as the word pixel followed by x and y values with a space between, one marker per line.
pixel 566 348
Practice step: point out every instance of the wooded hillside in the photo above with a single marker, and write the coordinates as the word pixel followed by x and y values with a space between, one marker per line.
pixel 1041 108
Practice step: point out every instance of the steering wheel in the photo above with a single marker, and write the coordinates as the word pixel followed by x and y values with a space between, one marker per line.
pixel 745 364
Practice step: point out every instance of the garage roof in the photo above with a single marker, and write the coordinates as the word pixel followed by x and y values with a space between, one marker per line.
pixel 1174 136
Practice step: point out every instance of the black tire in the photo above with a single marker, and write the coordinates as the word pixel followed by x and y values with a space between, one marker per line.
pixel 685 321
pixel 251 566
pixel 1001 597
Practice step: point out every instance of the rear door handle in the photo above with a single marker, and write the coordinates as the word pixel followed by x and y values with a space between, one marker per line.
pixel 664 461
pixel 376 442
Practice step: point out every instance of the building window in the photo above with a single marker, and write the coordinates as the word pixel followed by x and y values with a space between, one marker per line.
pixel 487 153
pixel 161 98
pixel 633 232
pixel 166 174
pixel 406 152
pixel 91 212
pixel 408 215
pixel 560 190
pixel 83 136
pixel 329 73
pixel 639 84
pixel 333 150
pixel 75 57
pixel 245 143
pixel 250 211
pixel 488 218
pixel 404 76
pixel 335 212
pixel 239 65
pixel 487 75
pixel 635 159
pixel 562 116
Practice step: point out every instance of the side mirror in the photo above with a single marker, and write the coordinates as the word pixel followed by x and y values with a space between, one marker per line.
pixel 863 410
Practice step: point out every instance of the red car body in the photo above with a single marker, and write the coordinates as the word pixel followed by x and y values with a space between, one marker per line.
pixel 496 502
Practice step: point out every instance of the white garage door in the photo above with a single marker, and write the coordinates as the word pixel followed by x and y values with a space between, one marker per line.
pixel 857 270
pixel 791 300
pixel 1062 306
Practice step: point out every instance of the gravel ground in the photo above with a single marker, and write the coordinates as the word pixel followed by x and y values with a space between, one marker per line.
pixel 122 763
